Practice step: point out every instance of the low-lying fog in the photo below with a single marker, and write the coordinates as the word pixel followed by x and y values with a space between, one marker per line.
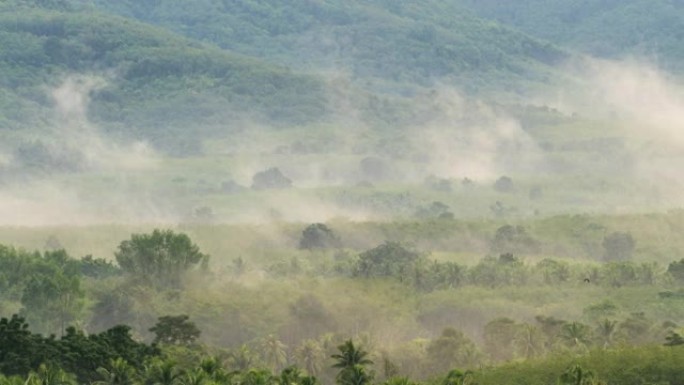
pixel 615 128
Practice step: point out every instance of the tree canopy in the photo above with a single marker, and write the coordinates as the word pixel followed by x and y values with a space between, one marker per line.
pixel 162 256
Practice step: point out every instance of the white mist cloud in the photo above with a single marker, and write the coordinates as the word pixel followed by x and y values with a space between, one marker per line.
pixel 74 129
pixel 647 104
pixel 470 139
pixel 51 198
pixel 641 95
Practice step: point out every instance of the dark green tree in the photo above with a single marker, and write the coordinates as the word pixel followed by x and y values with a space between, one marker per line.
pixel 576 335
pixel 119 372
pixel 352 362
pixel 52 300
pixel 318 236
pixel 388 259
pixel 674 339
pixel 175 330
pixel 676 270
pixel 161 257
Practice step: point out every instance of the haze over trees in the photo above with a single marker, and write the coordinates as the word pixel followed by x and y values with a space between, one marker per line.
pixel 392 193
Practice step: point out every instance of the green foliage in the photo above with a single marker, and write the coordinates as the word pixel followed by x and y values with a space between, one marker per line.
pixel 577 376
pixel 674 339
pixel 451 350
pixel 120 373
pixel 600 28
pixel 161 257
pixel 22 351
pixel 351 362
pixel 676 270
pixel 318 236
pixel 175 330
pixel 163 84
pixel 50 375
pixel 389 43
pixel 388 259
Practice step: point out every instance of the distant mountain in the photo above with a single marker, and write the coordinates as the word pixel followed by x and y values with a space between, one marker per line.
pixel 652 29
pixel 152 83
pixel 388 45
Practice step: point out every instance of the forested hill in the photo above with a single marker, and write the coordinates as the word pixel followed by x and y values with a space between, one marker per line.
pixel 390 45
pixel 608 28
pixel 151 82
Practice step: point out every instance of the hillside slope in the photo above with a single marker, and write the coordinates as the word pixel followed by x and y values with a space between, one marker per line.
pixel 650 29
pixel 389 45
pixel 150 83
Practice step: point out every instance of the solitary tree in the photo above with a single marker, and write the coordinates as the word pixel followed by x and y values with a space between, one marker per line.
pixel 388 259
pixel 352 362
pixel 175 330
pixel 162 256
pixel 318 236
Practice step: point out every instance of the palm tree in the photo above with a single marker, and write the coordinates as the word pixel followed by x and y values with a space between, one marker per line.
pixel 256 377
pixel 194 377
pixel 309 354
pixel 529 340
pixel 121 373
pixel 350 356
pixel 356 375
pixel 162 373
pixel 214 370
pixel 240 359
pixel 50 375
pixel 576 335
pixel 352 361
pixel 290 376
pixel 606 331
pixel 273 352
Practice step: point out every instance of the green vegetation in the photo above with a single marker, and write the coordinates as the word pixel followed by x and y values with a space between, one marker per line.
pixel 391 193
pixel 393 45
pixel 417 316
pixel 603 28
pixel 144 82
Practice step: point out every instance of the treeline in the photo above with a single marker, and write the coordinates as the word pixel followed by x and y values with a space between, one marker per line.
pixel 113 357
pixel 264 320
pixel 408 266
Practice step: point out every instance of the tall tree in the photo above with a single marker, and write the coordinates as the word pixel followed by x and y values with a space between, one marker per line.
pixel 309 355
pixel 162 257
pixel 273 352
pixel 352 362
pixel 175 330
